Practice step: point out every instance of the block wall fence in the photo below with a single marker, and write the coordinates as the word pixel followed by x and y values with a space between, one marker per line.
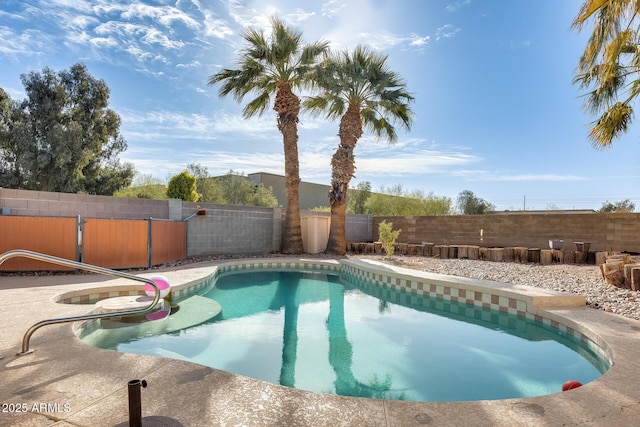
pixel 225 229
pixel 244 229
pixel 44 203
pixel 605 231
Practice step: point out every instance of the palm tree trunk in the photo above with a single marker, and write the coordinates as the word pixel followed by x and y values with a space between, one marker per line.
pixel 337 243
pixel 342 170
pixel 287 105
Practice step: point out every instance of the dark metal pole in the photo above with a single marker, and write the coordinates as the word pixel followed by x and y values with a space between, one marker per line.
pixel 135 402
pixel 149 243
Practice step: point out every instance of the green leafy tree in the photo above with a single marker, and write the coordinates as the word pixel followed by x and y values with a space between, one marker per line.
pixel 62 137
pixel 144 186
pixel 361 90
pixel 608 68
pixel 5 107
pixel 469 204
pixel 387 236
pixel 421 203
pixel 210 191
pixel 357 201
pixel 183 186
pixel 237 189
pixel 395 201
pixel 268 66
pixel 623 206
pixel 386 202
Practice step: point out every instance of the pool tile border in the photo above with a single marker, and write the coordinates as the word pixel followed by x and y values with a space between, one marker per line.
pixel 480 303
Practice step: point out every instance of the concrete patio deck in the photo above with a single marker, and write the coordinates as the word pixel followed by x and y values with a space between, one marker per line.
pixel 68 383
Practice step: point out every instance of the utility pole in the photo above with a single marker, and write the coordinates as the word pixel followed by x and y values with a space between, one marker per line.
pixel 524 203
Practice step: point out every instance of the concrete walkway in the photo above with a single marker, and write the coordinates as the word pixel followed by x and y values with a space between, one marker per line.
pixel 68 383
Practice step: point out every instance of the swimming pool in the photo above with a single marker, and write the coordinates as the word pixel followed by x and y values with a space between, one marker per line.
pixel 339 333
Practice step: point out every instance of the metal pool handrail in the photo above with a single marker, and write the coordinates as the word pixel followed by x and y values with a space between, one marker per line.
pixel 81 266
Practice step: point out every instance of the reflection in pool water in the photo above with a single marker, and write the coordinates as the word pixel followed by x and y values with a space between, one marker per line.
pixel 320 332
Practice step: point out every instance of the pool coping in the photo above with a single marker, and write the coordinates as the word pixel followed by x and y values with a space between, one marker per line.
pixel 93 381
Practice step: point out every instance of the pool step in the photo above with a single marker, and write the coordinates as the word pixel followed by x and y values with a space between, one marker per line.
pixel 193 311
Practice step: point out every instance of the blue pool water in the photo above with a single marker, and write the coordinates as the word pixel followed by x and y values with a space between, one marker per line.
pixel 320 332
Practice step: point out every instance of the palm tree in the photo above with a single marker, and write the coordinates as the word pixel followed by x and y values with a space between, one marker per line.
pixel 361 90
pixel 611 56
pixel 277 64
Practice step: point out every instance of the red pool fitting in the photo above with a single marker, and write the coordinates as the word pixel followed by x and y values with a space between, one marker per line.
pixel 570 385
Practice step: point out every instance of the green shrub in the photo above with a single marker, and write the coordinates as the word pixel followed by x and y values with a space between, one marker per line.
pixel 183 186
pixel 387 236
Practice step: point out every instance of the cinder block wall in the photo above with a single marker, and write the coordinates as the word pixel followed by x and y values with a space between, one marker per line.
pixel 605 231
pixel 245 229
pixel 230 229
pixel 44 203
pixel 358 228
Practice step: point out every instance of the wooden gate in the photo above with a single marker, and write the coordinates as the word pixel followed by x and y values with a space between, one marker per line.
pixel 168 241
pixel 109 243
pixel 122 243
pixel 115 243
pixel 48 235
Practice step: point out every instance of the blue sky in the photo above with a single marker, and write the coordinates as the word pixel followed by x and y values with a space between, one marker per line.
pixel 496 112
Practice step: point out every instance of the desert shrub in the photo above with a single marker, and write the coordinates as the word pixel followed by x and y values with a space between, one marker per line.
pixel 387 236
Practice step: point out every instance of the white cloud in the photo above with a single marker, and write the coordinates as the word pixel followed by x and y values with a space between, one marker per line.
pixel 174 125
pixel 421 162
pixel 264 126
pixel 418 41
pixel 217 28
pixel 255 15
pixel 193 64
pixel 129 33
pixel 8 15
pixel 332 7
pixel 446 31
pixel 154 36
pixel 228 141
pixel 29 42
pixel 383 40
pixel 453 7
pixel 78 6
pixel 299 16
pixel 188 4
pixel 165 15
pixel 140 54
pixel 408 156
pixel 103 42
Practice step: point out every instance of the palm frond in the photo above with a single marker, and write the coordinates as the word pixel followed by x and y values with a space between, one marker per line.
pixel 587 10
pixel 268 62
pixel 312 51
pixel 606 92
pixel 609 18
pixel 362 77
pixel 382 129
pixel 257 106
pixel 315 104
pixel 611 124
pixel 610 58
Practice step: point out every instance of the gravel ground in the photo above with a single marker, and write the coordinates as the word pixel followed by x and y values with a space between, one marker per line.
pixel 579 279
